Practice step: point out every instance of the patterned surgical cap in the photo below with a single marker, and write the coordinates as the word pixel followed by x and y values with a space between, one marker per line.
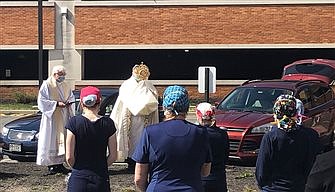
pixel 175 98
pixel 205 111
pixel 285 111
pixel 285 105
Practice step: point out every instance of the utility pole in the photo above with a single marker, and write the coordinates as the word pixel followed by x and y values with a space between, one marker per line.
pixel 207 84
pixel 40 42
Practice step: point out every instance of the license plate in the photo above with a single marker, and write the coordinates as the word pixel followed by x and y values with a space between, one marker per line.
pixel 15 147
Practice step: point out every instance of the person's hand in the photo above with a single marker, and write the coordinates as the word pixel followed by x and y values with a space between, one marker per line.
pixel 61 104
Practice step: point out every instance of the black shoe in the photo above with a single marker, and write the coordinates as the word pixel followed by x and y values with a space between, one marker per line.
pixel 52 170
pixel 63 170
pixel 131 165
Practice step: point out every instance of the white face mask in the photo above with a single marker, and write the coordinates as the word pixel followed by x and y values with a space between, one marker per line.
pixel 60 79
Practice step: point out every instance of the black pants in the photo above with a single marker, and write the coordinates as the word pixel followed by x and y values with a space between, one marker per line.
pixel 214 185
pixel 83 181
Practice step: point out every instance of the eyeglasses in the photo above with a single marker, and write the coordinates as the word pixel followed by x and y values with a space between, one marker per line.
pixel 60 74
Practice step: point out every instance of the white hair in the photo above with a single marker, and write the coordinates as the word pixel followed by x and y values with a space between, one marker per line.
pixel 57 69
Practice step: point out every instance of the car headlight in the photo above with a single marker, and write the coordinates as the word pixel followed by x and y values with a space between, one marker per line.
pixel 262 129
pixel 20 135
pixel 4 131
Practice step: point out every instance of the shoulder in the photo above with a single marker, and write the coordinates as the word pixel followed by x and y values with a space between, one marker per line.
pixel 44 85
pixel 217 129
pixel 309 130
pixel 107 124
pixel 76 118
pixel 128 81
pixel 199 129
pixel 330 155
pixel 107 120
pixel 326 161
pixel 274 132
pixel 196 126
pixel 73 122
pixel 150 85
pixel 155 127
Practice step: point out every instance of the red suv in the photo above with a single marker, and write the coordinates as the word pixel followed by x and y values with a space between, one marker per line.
pixel 246 112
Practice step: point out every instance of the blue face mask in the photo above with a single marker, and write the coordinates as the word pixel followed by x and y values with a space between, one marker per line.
pixel 60 79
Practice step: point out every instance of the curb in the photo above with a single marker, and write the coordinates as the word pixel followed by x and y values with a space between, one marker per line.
pixel 11 112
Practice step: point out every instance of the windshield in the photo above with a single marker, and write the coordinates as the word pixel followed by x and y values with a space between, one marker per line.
pixel 252 99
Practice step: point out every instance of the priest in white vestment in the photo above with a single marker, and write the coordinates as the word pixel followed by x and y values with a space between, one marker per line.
pixel 56 102
pixel 135 108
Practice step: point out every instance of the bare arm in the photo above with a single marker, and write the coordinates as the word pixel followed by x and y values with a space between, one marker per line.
pixel 141 176
pixel 70 146
pixel 206 169
pixel 111 150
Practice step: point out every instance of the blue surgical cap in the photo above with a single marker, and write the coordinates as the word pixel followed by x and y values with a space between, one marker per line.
pixel 175 98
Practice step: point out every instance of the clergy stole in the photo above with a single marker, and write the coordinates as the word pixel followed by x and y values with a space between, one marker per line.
pixel 59 92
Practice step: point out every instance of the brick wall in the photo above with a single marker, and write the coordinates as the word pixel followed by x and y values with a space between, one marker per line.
pixel 275 24
pixel 252 24
pixel 7 93
pixel 19 25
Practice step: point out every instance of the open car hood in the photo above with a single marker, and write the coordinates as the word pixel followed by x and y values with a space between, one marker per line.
pixel 310 69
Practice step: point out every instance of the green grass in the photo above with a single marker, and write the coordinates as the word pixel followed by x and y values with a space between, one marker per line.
pixel 245 174
pixel 17 106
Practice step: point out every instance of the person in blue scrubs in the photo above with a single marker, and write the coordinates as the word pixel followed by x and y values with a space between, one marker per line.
pixel 219 142
pixel 285 157
pixel 88 137
pixel 174 154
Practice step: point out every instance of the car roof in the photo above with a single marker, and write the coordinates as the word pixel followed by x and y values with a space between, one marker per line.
pixel 320 61
pixel 278 83
pixel 310 69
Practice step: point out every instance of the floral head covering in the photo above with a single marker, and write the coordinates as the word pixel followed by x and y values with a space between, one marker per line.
pixel 285 112
pixel 175 98
pixel 205 111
